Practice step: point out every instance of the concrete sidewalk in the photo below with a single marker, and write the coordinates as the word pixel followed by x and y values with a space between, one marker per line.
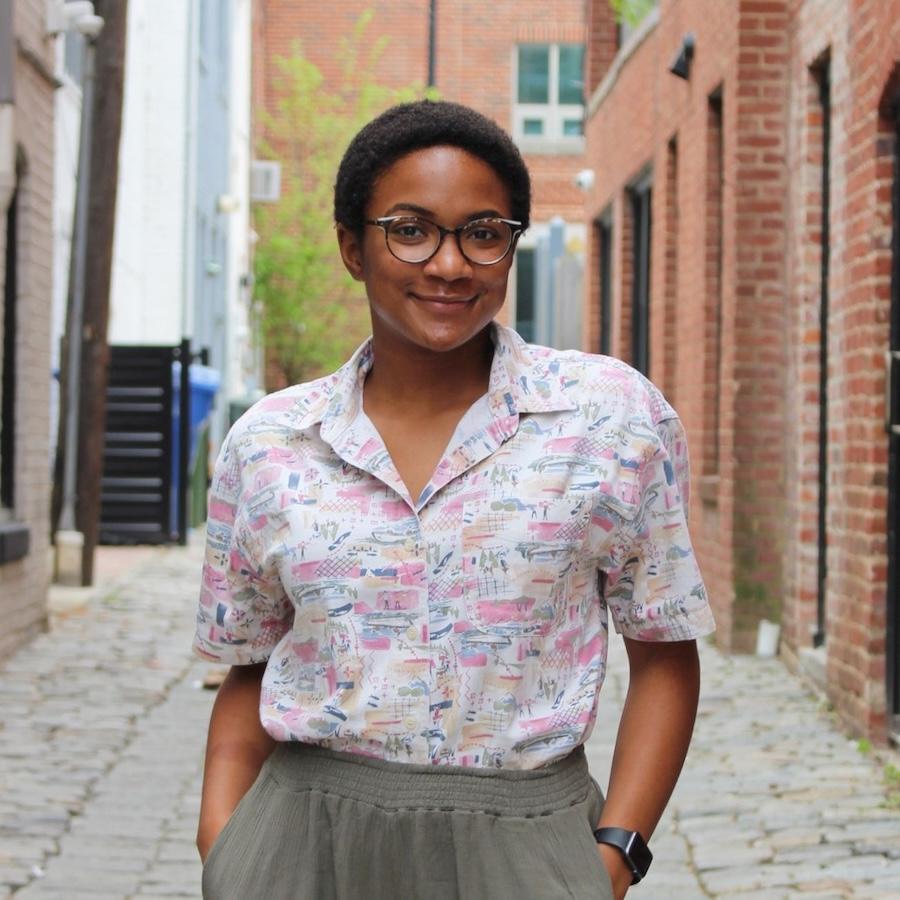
pixel 104 720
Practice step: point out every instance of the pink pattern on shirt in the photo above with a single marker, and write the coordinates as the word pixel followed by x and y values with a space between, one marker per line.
pixel 466 626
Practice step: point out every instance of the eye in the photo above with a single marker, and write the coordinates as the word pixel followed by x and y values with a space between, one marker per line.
pixel 486 232
pixel 409 231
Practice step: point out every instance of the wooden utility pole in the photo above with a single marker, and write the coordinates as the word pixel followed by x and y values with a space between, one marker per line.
pixel 105 127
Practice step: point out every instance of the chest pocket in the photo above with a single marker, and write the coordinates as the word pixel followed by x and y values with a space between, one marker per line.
pixel 518 556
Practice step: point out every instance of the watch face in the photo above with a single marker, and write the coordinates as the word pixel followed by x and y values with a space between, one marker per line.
pixel 631 845
pixel 639 853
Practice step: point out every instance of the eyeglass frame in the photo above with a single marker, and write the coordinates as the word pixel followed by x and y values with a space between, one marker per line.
pixel 386 221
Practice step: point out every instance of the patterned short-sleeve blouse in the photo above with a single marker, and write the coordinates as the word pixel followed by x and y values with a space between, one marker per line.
pixel 469 625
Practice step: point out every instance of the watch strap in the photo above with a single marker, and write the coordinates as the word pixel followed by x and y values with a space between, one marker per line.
pixel 631 845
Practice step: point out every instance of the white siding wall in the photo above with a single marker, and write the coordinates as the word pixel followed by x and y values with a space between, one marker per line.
pixel 244 374
pixel 147 282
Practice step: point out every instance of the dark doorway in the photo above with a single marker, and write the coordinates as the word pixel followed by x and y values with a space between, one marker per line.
pixel 8 390
pixel 604 235
pixel 892 408
pixel 823 77
pixel 641 195
pixel 525 313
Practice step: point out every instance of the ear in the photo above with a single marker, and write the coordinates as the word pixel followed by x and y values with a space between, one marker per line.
pixel 350 245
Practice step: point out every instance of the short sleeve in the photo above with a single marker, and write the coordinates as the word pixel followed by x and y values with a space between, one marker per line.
pixel 243 610
pixel 654 590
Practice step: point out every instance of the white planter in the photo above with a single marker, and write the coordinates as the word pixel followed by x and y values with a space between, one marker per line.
pixel 767 638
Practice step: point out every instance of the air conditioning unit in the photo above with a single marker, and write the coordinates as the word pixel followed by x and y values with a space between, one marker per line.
pixel 265 181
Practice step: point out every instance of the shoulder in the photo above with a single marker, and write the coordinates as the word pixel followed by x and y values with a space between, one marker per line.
pixel 607 385
pixel 280 416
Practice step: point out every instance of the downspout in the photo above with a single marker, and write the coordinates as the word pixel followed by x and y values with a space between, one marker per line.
pixel 76 303
pixel 432 41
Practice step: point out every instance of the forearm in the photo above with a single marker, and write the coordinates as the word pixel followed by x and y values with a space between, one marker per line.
pixel 654 734
pixel 236 748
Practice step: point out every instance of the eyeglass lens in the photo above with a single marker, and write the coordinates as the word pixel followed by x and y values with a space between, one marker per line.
pixel 484 241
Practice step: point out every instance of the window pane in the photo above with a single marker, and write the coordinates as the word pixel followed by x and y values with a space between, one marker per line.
pixel 571 80
pixel 605 235
pixel 534 73
pixel 573 128
pixel 533 126
pixel 525 293
pixel 73 58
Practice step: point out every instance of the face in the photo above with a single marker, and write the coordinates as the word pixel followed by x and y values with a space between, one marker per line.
pixel 442 303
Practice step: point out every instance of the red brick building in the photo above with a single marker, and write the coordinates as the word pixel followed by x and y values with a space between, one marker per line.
pixel 517 61
pixel 27 86
pixel 745 252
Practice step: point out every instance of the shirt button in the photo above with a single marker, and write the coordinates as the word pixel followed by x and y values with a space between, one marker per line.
pixel 412 632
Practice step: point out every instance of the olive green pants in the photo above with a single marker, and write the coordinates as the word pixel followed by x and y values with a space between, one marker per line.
pixel 323 825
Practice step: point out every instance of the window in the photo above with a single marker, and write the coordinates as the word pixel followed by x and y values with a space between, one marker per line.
pixel 822 78
pixel 525 276
pixel 641 195
pixel 8 367
pixel 670 288
pixel 549 111
pixel 715 168
pixel 74 49
pixel 604 236
pixel 73 56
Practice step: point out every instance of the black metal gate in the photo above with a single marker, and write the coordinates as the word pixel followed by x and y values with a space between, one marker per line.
pixel 143 461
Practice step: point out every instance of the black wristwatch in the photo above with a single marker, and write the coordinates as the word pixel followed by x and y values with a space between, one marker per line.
pixel 632 847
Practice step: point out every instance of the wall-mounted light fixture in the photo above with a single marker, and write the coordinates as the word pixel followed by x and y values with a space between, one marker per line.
pixel 227 203
pixel 584 180
pixel 681 65
pixel 73 16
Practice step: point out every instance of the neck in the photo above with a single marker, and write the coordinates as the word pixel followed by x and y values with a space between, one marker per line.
pixel 420 380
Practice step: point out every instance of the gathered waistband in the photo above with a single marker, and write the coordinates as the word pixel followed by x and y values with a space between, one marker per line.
pixel 396 786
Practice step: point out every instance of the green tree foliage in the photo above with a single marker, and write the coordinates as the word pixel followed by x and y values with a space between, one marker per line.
pixel 310 313
pixel 631 12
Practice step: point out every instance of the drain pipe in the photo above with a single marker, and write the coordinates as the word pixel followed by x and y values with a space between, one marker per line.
pixel 69 541
pixel 432 40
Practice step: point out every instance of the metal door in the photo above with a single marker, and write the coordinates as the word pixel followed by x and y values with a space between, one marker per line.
pixel 139 454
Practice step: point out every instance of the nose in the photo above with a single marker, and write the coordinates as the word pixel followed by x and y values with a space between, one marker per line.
pixel 449 263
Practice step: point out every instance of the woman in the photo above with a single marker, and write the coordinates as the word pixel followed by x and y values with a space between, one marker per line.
pixel 410 565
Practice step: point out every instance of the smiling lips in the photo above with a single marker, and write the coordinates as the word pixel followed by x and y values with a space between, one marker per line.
pixel 444 300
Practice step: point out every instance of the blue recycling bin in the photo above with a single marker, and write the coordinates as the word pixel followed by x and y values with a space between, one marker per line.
pixel 204 385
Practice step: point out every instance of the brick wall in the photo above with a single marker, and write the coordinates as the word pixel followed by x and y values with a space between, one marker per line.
pixel 758 330
pixel 475 47
pixel 757 247
pixel 23 583
pixel 861 40
pixel 642 115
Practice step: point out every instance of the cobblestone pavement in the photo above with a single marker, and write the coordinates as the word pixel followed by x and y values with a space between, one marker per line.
pixel 101 740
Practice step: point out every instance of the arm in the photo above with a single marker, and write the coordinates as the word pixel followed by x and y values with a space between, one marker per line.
pixel 653 738
pixel 236 748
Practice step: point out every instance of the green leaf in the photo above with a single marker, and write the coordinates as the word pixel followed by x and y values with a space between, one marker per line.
pixel 632 12
pixel 309 313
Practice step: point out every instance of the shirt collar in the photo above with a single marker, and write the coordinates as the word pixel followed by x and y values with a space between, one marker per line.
pixel 346 393
pixel 524 379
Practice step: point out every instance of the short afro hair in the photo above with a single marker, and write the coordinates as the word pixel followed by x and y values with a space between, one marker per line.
pixel 415 126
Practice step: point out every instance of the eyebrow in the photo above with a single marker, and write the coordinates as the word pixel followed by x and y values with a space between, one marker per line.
pixel 429 214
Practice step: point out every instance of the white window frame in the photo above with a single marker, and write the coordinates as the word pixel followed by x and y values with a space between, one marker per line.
pixel 553 113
